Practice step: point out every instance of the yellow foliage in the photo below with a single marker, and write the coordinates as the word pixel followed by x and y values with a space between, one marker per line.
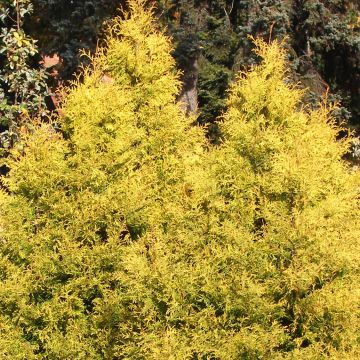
pixel 126 236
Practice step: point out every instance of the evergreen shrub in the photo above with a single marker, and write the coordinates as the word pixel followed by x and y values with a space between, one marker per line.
pixel 127 236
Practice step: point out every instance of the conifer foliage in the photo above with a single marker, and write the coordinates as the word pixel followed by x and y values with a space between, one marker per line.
pixel 126 236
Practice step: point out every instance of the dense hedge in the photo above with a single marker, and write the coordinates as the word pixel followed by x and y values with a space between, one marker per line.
pixel 127 236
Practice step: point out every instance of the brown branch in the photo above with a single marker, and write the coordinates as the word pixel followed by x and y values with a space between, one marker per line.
pixel 18 15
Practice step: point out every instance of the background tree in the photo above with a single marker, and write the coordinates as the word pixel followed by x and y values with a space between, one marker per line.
pixel 23 87
pixel 66 27
pixel 211 44
pixel 323 46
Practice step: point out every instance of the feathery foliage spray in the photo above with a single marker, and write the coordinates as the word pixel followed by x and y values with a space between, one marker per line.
pixel 122 238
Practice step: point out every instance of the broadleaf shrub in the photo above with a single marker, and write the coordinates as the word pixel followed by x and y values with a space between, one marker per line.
pixel 127 236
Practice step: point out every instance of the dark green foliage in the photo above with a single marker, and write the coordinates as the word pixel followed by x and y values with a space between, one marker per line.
pixel 65 27
pixel 323 43
pixel 211 43
pixel 23 88
pixel 330 41
pixel 61 28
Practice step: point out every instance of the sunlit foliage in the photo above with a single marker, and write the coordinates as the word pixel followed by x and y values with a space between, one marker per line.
pixel 127 236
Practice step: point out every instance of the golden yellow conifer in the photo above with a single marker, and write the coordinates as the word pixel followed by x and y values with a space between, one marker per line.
pixel 124 237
